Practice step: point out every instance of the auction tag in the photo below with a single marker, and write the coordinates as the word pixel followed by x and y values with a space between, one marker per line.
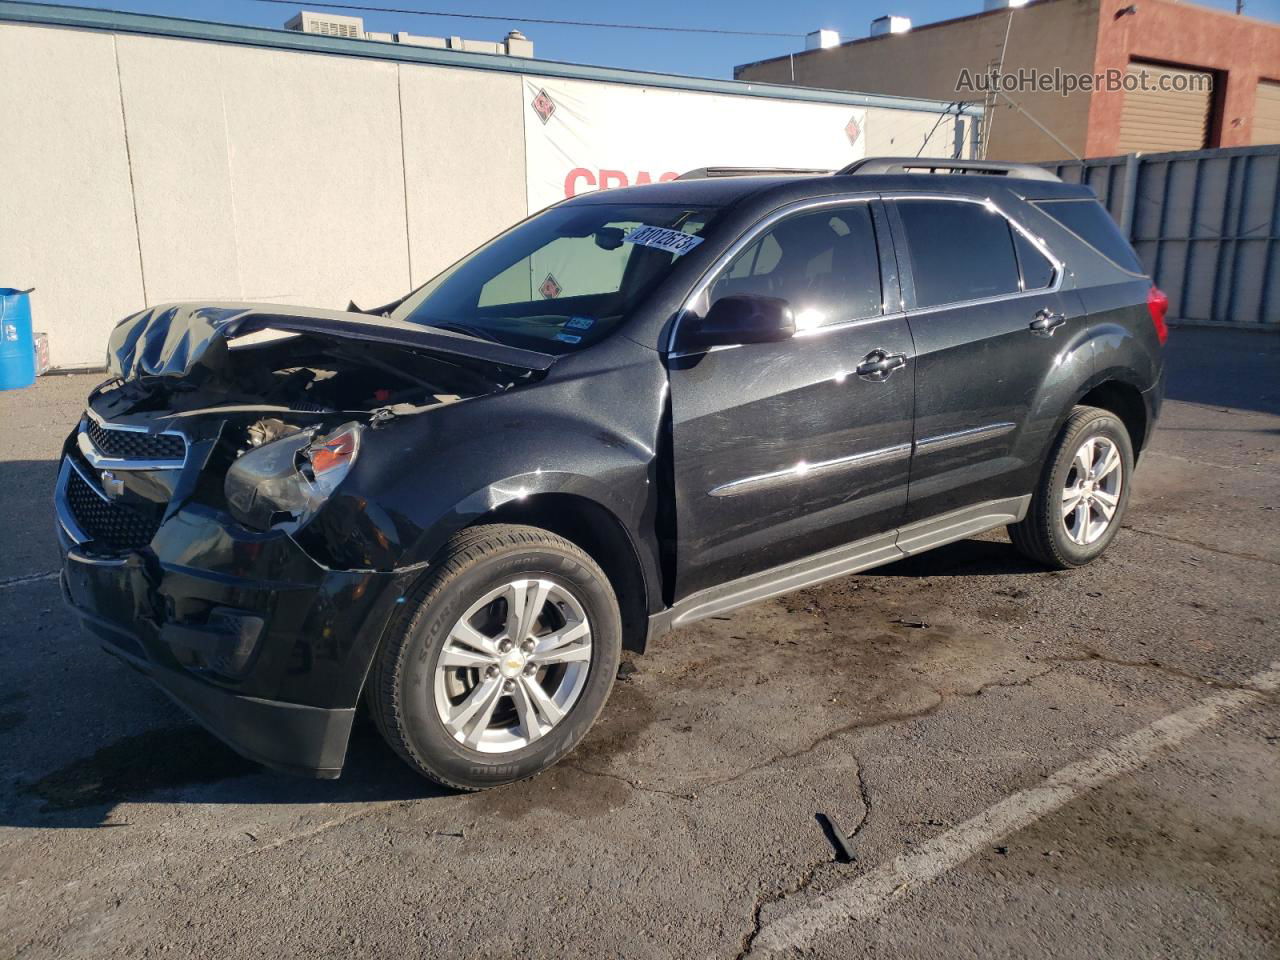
pixel 661 238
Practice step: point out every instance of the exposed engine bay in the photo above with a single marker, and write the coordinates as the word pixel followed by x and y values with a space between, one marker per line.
pixel 256 415
pixel 303 373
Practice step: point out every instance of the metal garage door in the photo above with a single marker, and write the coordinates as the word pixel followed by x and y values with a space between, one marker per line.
pixel 1266 113
pixel 1176 118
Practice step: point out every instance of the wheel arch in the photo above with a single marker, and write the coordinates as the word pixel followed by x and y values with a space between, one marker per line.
pixel 1126 402
pixel 604 537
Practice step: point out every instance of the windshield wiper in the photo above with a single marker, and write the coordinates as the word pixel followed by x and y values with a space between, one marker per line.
pixel 467 331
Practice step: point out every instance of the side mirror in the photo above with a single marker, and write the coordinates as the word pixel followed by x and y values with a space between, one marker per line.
pixel 740 319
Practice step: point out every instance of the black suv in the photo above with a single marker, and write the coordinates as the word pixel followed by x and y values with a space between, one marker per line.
pixel 632 410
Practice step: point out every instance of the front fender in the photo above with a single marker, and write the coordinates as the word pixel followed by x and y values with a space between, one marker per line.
pixel 590 430
pixel 520 487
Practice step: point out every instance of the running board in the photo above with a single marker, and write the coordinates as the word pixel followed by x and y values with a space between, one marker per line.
pixel 840 561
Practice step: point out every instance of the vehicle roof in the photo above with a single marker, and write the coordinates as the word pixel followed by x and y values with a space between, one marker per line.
pixel 723 191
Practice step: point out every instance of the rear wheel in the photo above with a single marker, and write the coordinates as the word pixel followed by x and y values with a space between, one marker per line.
pixel 1077 508
pixel 502 661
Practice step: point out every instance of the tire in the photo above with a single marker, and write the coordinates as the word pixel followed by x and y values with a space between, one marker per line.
pixel 420 702
pixel 1058 539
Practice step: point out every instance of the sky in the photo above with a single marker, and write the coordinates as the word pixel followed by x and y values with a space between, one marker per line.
pixel 703 55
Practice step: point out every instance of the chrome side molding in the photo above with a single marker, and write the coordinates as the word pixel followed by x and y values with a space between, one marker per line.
pixel 776 478
pixel 948 441
pixel 900 451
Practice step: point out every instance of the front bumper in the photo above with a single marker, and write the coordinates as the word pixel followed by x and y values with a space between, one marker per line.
pixel 290 737
pixel 263 646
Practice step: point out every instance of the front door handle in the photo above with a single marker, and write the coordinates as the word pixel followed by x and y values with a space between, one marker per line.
pixel 1046 322
pixel 877 365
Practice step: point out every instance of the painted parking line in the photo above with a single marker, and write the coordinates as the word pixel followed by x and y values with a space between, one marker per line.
pixel 876 891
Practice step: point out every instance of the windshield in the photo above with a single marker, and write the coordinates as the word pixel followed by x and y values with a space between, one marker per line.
pixel 562 280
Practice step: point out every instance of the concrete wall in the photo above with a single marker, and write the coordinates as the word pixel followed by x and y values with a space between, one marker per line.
pixel 466 178
pixel 142 169
pixel 139 170
pixel 66 205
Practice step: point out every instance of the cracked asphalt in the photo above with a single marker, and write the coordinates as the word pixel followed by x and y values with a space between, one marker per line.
pixel 892 708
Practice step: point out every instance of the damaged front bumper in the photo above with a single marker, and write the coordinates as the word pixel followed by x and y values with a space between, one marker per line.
pixel 262 645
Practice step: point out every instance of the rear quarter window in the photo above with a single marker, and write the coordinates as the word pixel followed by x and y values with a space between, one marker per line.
pixel 959 251
pixel 1089 221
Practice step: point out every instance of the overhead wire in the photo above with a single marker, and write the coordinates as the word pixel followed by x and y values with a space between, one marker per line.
pixel 408 11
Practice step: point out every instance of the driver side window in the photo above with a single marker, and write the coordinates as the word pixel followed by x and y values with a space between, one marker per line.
pixel 824 264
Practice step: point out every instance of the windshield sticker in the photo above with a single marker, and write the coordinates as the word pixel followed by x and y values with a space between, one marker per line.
pixel 580 323
pixel 568 338
pixel 660 238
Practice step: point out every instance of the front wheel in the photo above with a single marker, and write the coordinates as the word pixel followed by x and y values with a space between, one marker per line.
pixel 1084 488
pixel 502 661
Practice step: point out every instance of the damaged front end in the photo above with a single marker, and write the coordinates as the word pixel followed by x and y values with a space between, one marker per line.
pixel 219 509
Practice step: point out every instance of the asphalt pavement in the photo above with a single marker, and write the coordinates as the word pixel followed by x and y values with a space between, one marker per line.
pixel 957 755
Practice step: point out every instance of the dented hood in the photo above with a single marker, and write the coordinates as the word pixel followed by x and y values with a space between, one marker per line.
pixel 172 339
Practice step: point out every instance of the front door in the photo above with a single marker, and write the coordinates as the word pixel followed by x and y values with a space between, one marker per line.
pixel 991 326
pixel 782 450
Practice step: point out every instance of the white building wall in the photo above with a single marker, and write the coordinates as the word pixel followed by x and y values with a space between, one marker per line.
pixel 66 210
pixel 139 170
pixel 464 155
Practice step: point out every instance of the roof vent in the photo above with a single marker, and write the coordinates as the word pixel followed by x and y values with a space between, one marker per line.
pixel 821 39
pixel 327 25
pixel 881 26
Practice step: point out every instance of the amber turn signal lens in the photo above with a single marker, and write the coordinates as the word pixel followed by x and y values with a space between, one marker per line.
pixel 333 452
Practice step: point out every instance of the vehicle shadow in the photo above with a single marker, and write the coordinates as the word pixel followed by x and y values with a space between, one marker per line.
pixel 964 558
pixel 29 543
pixel 182 763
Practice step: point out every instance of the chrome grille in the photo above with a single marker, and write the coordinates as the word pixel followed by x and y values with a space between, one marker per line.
pixel 134 444
pixel 113 525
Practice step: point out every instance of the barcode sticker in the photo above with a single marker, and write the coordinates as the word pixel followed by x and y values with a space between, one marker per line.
pixel 662 238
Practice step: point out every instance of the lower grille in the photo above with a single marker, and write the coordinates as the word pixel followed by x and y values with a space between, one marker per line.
pixel 113 525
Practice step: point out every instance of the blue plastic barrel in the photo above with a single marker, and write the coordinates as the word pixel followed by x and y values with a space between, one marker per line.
pixel 17 345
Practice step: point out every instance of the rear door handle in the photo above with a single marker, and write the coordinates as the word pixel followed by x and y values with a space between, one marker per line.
pixel 1046 322
pixel 878 365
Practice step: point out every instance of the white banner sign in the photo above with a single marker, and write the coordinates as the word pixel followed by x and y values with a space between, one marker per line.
pixel 582 136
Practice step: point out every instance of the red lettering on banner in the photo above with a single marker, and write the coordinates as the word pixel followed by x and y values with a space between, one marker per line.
pixel 608 179
pixel 571 181
pixel 612 178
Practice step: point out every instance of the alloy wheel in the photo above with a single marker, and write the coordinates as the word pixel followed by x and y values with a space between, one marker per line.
pixel 1091 494
pixel 513 666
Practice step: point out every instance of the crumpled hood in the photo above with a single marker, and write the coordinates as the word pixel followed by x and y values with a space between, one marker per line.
pixel 171 340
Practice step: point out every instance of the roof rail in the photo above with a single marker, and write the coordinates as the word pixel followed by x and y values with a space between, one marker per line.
pixel 1016 171
pixel 704 173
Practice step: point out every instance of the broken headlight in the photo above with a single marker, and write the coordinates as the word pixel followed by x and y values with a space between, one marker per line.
pixel 284 482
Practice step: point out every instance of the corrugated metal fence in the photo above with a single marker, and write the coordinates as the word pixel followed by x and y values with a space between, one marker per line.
pixel 1204 222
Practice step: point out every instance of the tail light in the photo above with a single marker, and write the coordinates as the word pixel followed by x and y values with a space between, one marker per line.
pixel 1158 305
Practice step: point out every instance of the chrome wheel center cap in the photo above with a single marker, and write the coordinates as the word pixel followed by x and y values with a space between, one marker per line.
pixel 512 664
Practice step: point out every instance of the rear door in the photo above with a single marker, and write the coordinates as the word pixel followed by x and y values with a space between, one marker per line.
pixel 782 450
pixel 990 323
